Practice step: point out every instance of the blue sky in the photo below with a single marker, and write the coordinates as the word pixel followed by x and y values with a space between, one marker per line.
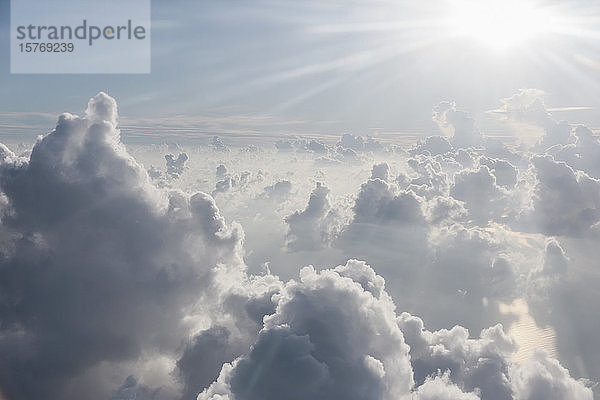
pixel 323 67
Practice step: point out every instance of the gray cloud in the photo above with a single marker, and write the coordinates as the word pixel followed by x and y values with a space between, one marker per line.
pixel 459 125
pixel 565 201
pixel 175 166
pixel 100 266
pixel 542 377
pixel 316 225
pixel 111 287
pixel 335 334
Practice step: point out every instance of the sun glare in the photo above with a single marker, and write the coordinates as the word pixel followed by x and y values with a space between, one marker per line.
pixel 500 24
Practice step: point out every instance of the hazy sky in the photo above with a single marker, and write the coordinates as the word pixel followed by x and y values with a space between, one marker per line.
pixel 328 67
pixel 248 265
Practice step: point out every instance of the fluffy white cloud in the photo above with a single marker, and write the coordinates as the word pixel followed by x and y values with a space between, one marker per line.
pixel 484 199
pixel 315 226
pixel 432 145
pixel 565 201
pixel 480 365
pixel 504 172
pixel 100 266
pixel 335 334
pixel 458 124
pixel 542 377
pixel 527 105
pixel 113 286
pixel 583 154
pixel 440 388
pixel 359 143
pixel 560 292
pixel 377 202
pixel 175 166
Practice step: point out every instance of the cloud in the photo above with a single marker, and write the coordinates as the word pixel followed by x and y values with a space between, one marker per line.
pixel 219 145
pixel 203 357
pixel 431 179
pixel 113 285
pixel 175 166
pixel 221 171
pixel 504 172
pixel 542 377
pixel 237 181
pixel 565 201
pixel 483 198
pixel 380 171
pixel 315 226
pixel 377 202
pixel 436 262
pixel 480 365
pixel 526 105
pixel 335 334
pixel 460 127
pixel 583 154
pixel 359 143
pixel 278 190
pixel 440 388
pixel 131 390
pixel 560 290
pixel 432 145
pixel 556 135
pixel 97 258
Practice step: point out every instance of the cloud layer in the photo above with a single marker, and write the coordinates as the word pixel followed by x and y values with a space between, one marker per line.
pixel 119 280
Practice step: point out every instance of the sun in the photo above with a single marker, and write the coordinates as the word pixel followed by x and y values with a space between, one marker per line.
pixel 500 24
